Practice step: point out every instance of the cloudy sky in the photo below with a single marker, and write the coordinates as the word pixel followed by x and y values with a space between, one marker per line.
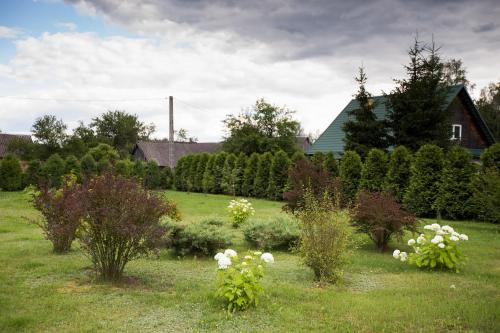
pixel 78 58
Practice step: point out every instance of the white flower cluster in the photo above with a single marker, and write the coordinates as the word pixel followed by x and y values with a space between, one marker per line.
pixel 224 258
pixel 400 255
pixel 241 204
pixel 440 232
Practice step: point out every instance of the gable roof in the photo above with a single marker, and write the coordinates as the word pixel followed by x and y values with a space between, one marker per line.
pixel 158 151
pixel 5 139
pixel 332 139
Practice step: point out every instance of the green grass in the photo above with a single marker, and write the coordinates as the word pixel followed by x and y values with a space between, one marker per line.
pixel 44 292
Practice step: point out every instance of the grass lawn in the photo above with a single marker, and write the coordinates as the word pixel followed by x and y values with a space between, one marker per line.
pixel 44 292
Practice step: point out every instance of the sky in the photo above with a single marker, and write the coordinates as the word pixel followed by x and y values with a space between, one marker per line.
pixel 76 59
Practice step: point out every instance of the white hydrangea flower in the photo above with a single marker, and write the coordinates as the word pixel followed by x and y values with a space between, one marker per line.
pixel 437 239
pixel 403 256
pixel 454 238
pixel 411 242
pixel 417 250
pixel 257 253
pixel 435 227
pixel 224 262
pixel 396 254
pixel 456 234
pixel 230 253
pixel 440 232
pixel 441 245
pixel 464 237
pixel 447 229
pixel 428 227
pixel 267 257
pixel 219 255
pixel 421 239
pixel 248 257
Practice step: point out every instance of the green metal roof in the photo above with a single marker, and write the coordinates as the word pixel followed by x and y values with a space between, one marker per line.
pixel 332 139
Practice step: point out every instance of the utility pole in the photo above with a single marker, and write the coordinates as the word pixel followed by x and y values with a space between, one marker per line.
pixel 171 131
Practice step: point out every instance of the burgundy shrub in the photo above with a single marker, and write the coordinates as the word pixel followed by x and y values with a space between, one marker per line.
pixel 380 216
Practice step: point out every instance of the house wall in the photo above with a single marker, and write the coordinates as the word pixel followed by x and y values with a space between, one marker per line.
pixel 472 137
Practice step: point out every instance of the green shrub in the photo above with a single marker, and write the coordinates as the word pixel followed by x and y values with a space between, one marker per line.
pixel 104 151
pixel 247 188
pixel 491 157
pixel 123 168
pixel 218 171
pixel 88 166
pixel 261 182
pixel 33 173
pixel 53 170
pixel 72 166
pixel 423 189
pixel 228 181
pixel 278 176
pixel 203 238
pixel 398 173
pixel 278 233
pixel 486 196
pixel 11 174
pixel 350 175
pixel 200 171
pixel 139 169
pixel 103 165
pixel 325 238
pixel 167 178
pixel 318 159
pixel 208 175
pixel 374 171
pixel 189 173
pixel 152 178
pixel 330 164
pixel 238 173
pixel 239 211
pixel 180 171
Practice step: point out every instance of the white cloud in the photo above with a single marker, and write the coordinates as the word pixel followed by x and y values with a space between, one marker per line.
pixel 66 25
pixel 9 32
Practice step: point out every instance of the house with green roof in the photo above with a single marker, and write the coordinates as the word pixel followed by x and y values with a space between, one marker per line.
pixel 468 128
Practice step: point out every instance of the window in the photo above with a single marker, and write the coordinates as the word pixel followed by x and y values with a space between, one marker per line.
pixel 456 132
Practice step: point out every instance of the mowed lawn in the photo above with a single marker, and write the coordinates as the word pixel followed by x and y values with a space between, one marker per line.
pixel 44 292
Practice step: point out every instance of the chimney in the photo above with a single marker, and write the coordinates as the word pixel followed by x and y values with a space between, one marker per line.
pixel 171 131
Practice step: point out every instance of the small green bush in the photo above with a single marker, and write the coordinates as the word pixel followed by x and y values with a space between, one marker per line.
pixel 374 171
pixel 279 233
pixel 53 170
pixel 88 166
pixel 350 175
pixel 11 174
pixel 398 173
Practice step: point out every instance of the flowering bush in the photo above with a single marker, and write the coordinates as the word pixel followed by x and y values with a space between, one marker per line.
pixel 437 247
pixel 239 278
pixel 240 210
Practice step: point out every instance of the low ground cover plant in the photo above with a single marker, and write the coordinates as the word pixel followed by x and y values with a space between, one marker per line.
pixel 381 217
pixel 437 248
pixel 278 233
pixel 239 278
pixel 239 211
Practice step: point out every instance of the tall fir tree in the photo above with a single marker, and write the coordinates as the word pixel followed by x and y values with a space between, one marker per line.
pixel 208 183
pixel 423 189
pixel 350 175
pixel 278 175
pixel 193 161
pixel 374 171
pixel 180 174
pixel 72 166
pixel 218 171
pixel 247 188
pixel 200 171
pixel 88 166
pixel 54 169
pixel 238 173
pixel 33 173
pixel 262 176
pixel 364 131
pixel 398 173
pixel 228 180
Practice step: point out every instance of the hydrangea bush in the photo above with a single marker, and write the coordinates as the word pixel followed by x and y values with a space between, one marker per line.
pixel 436 248
pixel 240 210
pixel 239 278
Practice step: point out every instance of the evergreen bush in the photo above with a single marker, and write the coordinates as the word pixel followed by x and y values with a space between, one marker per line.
pixel 167 178
pixel 247 188
pixel 208 176
pixel 330 164
pixel 398 173
pixel 11 174
pixel 278 175
pixel 374 171
pixel 261 182
pixel 53 170
pixel 350 175
pixel 238 173
pixel 228 180
pixel 218 171
pixel 152 178
pixel 278 233
pixel 88 166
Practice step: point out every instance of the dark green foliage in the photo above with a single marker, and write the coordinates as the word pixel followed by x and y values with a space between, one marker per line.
pixel 491 157
pixel 88 166
pixel 398 173
pixel 49 132
pixel 330 164
pixel 11 174
pixel 249 174
pixel 181 169
pixel 218 171
pixel 33 173
pixel 238 173
pixel 167 178
pixel 103 165
pixel 298 155
pixel 486 195
pixel 200 171
pixel 489 107
pixel 453 200
pixel 139 169
pixel 350 175
pixel 53 170
pixel 123 168
pixel 75 146
pixel 208 176
pixel 205 237
pixel 72 166
pixel 374 171
pixel 24 149
pixel 364 131
pixel 278 175
pixel 261 182
pixel 152 178
pixel 426 173
pixel 318 159
pixel 280 233
pixel 416 107
pixel 264 128
pixel 228 180
pixel 189 173
pixel 104 151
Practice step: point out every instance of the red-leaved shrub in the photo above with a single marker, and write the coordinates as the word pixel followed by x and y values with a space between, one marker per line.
pixel 380 216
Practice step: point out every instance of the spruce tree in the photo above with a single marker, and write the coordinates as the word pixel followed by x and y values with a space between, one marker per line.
pixel 426 172
pixel 192 161
pixel 318 159
pixel 103 165
pixel 139 169
pixel 261 182
pixel 179 174
pixel 238 173
pixel 330 164
pixel 218 171
pixel 123 168
pixel 398 173
pixel 33 173
pixel 350 175
pixel 208 175
pixel 200 170
pixel 167 178
pixel 364 131
pixel 278 175
pixel 152 178
pixel 10 173
pixel 374 171
pixel 88 166
pixel 491 157
pixel 73 166
pixel 53 170
pixel 455 191
pixel 249 174
pixel 228 181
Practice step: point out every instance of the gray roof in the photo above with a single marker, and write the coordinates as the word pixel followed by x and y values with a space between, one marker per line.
pixel 303 143
pixel 158 151
pixel 5 139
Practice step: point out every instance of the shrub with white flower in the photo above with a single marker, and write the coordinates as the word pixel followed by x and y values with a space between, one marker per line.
pixel 240 210
pixel 239 278
pixel 437 247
